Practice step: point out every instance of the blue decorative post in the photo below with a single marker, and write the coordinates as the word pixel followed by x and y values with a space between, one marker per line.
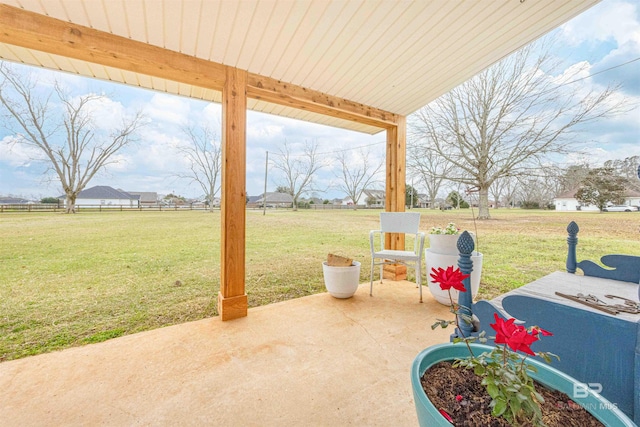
pixel 465 299
pixel 572 242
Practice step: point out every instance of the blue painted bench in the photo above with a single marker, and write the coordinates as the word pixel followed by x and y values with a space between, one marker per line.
pixel 595 347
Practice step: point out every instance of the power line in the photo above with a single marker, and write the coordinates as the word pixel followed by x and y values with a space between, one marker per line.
pixel 551 90
pixel 600 72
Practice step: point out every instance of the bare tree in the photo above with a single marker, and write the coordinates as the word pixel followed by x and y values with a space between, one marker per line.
pixel 627 169
pixel 74 147
pixel 572 176
pixel 298 169
pixel 510 116
pixel 357 172
pixel 431 168
pixel 537 190
pixel 204 154
pixel 511 189
pixel 498 189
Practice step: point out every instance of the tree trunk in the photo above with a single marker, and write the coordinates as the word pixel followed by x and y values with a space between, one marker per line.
pixel 483 203
pixel 70 204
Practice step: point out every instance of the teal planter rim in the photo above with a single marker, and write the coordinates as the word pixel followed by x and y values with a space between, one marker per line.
pixel 603 410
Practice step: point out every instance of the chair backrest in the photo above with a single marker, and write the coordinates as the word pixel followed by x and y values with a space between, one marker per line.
pixel 400 222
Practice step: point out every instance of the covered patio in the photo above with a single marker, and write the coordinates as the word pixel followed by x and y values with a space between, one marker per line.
pixel 315 360
pixel 361 66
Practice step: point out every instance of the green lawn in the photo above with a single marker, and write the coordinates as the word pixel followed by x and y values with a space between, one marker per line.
pixel 68 280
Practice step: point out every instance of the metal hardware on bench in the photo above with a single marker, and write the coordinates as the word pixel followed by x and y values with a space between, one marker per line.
pixel 591 301
pixel 629 306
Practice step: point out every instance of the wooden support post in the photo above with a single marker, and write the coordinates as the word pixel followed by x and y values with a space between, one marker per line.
pixel 396 176
pixel 232 299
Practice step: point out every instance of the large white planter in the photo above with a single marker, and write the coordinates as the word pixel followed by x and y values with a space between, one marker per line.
pixel 436 260
pixel 341 282
pixel 446 243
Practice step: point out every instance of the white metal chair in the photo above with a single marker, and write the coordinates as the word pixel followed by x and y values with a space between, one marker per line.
pixel 406 223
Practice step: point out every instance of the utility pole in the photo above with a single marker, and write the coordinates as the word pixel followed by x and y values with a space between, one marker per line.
pixel 264 195
pixel 412 190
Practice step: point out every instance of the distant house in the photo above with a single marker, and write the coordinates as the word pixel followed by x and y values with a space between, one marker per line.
pixel 282 200
pixel 103 195
pixel 423 201
pixel 146 198
pixel 374 198
pixel 316 200
pixel 14 201
pixel 567 201
pixel 347 202
pixel 370 198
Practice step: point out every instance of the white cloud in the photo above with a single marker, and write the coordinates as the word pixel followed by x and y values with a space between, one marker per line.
pixel 16 154
pixel 611 20
pixel 168 109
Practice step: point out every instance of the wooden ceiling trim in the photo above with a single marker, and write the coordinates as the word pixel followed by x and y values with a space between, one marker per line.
pixel 277 92
pixel 34 31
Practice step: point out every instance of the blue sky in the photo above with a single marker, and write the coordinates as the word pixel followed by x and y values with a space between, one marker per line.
pixel 603 37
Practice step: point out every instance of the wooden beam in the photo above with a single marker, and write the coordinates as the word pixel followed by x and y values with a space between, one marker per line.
pixel 396 176
pixel 281 93
pixel 232 299
pixel 34 31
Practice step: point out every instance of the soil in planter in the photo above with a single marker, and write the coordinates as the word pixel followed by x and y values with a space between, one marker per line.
pixel 442 383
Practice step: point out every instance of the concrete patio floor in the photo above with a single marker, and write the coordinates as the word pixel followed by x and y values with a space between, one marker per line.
pixel 315 360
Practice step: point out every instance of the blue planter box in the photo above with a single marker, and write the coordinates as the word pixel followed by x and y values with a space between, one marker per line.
pixel 428 415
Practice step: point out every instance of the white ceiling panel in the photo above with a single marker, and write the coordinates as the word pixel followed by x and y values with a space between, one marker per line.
pixel 394 55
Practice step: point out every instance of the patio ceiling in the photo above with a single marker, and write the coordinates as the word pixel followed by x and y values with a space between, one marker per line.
pixel 389 56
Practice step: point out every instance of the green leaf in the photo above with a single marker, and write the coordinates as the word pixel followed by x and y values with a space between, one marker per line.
pixel 515 406
pixel 499 408
pixel 538 396
pixel 493 391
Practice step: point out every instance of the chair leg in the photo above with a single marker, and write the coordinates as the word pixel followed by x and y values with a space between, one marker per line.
pixel 381 272
pixel 371 276
pixel 419 279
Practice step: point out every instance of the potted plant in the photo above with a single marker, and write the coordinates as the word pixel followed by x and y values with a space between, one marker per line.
pixel 443 251
pixel 341 276
pixel 511 380
pixel 442 240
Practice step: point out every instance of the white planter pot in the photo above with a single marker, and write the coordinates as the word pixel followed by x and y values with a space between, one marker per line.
pixel 436 260
pixel 341 282
pixel 445 243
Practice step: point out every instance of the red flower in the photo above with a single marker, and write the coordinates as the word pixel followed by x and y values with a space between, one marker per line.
pixel 515 336
pixel 535 330
pixel 445 415
pixel 449 278
pixel 459 397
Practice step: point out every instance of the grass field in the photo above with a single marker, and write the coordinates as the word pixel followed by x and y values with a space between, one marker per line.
pixel 68 280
